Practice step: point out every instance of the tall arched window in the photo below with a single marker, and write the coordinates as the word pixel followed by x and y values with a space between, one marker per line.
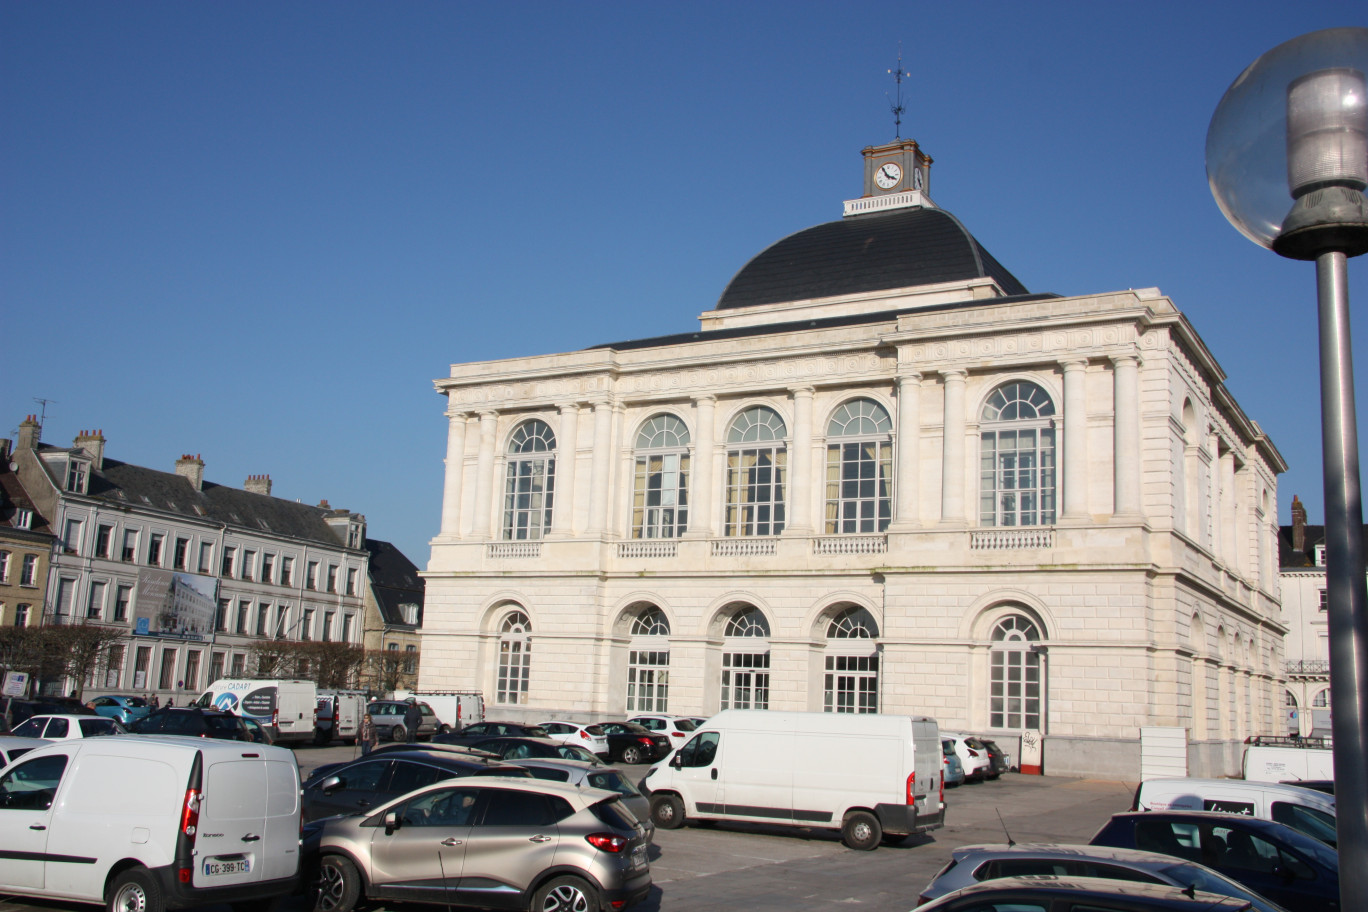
pixel 757 465
pixel 1321 700
pixel 529 487
pixel 1015 682
pixel 660 496
pixel 515 655
pixel 648 663
pixel 851 682
pixel 1017 457
pixel 859 468
pixel 745 660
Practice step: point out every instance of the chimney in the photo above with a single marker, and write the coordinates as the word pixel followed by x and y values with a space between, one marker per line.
pixel 29 429
pixel 191 468
pixel 258 484
pixel 93 443
pixel 1298 526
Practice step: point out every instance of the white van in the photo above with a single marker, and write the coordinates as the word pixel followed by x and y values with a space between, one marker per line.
pixel 874 777
pixel 150 822
pixel 339 715
pixel 288 707
pixel 454 709
pixel 1305 810
pixel 1288 759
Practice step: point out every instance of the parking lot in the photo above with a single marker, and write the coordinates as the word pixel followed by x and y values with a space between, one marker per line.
pixel 759 868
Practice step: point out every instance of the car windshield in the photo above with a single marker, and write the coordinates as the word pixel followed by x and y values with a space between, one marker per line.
pixel 1201 878
pixel 1314 823
pixel 613 781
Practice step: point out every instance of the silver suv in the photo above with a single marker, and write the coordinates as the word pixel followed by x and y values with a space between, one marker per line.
pixel 520 843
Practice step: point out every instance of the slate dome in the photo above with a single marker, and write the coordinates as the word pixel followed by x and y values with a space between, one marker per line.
pixel 863 254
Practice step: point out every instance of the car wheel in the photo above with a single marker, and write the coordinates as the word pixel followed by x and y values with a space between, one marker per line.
pixel 667 812
pixel 631 755
pixel 338 886
pixel 861 831
pixel 398 733
pixel 565 894
pixel 135 890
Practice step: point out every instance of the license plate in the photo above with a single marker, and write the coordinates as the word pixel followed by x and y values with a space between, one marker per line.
pixel 639 857
pixel 217 867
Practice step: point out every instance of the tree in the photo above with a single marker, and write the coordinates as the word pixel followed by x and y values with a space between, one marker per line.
pixel 326 664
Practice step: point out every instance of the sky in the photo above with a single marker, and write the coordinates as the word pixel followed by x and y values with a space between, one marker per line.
pixel 257 232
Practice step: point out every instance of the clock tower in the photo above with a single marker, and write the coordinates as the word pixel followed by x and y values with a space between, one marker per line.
pixel 896 175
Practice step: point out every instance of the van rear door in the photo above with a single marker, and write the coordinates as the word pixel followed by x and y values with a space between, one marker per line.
pixel 249 820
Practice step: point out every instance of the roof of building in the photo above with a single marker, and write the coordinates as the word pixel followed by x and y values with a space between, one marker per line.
pixel 14 498
pixel 395 581
pixel 863 254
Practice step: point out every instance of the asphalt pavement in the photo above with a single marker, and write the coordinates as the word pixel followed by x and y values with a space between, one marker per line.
pixel 759 868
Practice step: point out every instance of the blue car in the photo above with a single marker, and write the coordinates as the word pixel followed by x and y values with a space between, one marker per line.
pixel 126 709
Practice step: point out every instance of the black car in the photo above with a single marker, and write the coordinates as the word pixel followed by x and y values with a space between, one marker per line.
pixel 631 743
pixel 998 758
pixel 16 710
pixel 194 721
pixel 515 749
pixel 479 731
pixel 1270 858
pixel 368 782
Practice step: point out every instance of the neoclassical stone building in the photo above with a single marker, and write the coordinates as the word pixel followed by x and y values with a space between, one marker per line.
pixel 883 476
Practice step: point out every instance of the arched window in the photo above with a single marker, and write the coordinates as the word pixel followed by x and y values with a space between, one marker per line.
pixel 529 488
pixel 859 468
pixel 1321 700
pixel 746 660
pixel 660 497
pixel 648 663
pixel 757 463
pixel 1015 682
pixel 515 655
pixel 851 682
pixel 1017 457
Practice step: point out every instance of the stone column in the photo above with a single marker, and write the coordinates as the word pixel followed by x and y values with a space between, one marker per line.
pixel 1075 468
pixel 952 469
pixel 1126 463
pixel 603 456
pixel 907 445
pixel 800 493
pixel 701 470
pixel 563 511
pixel 1214 492
pixel 484 474
pixel 1229 547
pixel 455 469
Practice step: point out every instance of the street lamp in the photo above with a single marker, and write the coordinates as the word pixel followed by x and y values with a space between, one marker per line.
pixel 1295 124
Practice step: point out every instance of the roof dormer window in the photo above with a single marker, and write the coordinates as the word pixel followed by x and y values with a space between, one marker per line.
pixel 1319 555
pixel 78 476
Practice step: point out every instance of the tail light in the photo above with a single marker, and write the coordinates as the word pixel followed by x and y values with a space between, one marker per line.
pixel 646 741
pixel 942 788
pixel 275 717
pixel 607 842
pixel 911 788
pixel 189 826
pixel 677 734
pixel 584 734
pixel 972 752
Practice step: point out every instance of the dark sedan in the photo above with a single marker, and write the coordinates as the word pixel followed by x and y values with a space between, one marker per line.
pixel 480 731
pixel 1269 858
pixel 630 743
pixel 194 721
pixel 368 782
pixel 515 749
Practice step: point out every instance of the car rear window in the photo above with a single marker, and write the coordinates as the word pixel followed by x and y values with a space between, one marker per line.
pixel 517 772
pixel 221 723
pixel 612 812
pixel 534 731
pixel 595 730
pixel 684 725
pixel 554 775
pixel 613 781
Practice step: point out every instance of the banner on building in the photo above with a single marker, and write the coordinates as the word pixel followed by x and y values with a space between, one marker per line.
pixel 174 605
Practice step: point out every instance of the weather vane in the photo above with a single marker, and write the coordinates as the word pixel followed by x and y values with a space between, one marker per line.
pixel 897 106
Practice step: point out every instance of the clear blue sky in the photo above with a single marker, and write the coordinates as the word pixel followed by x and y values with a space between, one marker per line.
pixel 258 232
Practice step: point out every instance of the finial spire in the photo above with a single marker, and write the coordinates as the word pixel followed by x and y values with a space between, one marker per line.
pixel 896 105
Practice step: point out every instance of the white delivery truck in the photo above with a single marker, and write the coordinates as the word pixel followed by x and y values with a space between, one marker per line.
pixel 287 706
pixel 151 822
pixel 875 777
pixel 454 709
pixel 339 715
pixel 1288 760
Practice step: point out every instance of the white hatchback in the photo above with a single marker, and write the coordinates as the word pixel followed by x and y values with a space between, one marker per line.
pixel 61 728
pixel 973 755
pixel 589 737
pixel 679 728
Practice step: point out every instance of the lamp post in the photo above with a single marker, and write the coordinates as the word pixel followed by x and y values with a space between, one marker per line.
pixel 1295 124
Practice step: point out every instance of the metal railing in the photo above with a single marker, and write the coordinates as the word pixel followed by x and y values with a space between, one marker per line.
pixel 1309 667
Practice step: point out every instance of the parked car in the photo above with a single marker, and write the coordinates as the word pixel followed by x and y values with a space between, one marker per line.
pixel 1095 894
pixel 388 716
pixel 525 843
pixel 368 782
pixel 1311 812
pixel 515 749
pixel 125 708
pixel 1000 759
pixel 1286 866
pixel 954 770
pixel 678 728
pixel 589 737
pixel 60 728
pixel 17 710
pixel 194 721
pixel 971 864
pixel 482 730
pixel 594 775
pixel 12 748
pixel 973 754
pixel 630 743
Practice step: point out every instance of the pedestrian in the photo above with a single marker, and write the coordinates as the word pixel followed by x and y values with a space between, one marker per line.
pixel 368 735
pixel 413 717
pixel 154 702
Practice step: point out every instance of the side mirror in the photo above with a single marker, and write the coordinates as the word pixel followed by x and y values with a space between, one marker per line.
pixel 391 822
pixel 330 785
pixel 677 761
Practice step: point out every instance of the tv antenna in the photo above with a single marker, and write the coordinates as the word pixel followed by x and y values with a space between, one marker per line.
pixel 42 417
pixel 896 105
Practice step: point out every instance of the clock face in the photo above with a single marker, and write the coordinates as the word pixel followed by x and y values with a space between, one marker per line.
pixel 888 175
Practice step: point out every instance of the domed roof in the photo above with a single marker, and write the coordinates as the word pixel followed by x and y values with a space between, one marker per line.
pixel 866 253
